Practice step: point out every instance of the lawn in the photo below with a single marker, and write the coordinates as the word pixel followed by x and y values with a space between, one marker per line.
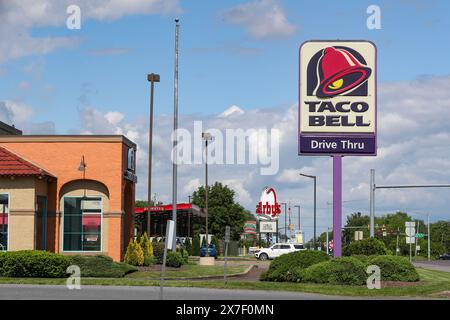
pixel 431 282
pixel 189 271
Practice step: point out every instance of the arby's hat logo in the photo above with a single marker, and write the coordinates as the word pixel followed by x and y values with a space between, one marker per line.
pixel 337 70
pixel 268 207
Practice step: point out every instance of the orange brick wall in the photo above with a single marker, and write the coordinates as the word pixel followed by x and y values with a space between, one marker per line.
pixel 105 162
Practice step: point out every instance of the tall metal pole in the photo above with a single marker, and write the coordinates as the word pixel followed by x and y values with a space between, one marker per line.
pixel 285 218
pixel 326 245
pixel 175 141
pixel 372 202
pixel 428 231
pixel 152 78
pixel 206 195
pixel 315 213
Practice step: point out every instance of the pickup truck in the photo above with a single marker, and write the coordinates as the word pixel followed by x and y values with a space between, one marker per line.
pixel 277 250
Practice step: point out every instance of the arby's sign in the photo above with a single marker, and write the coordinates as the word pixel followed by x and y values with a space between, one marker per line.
pixel 268 207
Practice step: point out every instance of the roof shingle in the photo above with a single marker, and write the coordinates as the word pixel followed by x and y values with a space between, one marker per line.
pixel 14 165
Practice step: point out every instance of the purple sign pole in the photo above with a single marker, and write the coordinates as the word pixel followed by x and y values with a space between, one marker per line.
pixel 337 205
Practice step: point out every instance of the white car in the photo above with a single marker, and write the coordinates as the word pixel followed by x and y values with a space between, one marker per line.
pixel 277 250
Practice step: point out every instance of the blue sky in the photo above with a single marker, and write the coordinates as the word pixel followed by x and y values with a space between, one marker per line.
pixel 220 64
pixel 233 53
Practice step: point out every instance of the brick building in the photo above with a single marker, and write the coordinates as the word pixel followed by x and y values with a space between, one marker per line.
pixel 71 194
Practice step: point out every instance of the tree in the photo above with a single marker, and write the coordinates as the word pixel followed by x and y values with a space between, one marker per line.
pixel 146 246
pixel 440 233
pixel 356 219
pixel 215 242
pixel 222 210
pixel 196 245
pixel 134 254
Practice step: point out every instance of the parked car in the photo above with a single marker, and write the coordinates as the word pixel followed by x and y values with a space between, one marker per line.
pixel 445 256
pixel 277 250
pixel 212 251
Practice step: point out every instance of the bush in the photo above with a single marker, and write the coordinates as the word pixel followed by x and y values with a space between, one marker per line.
pixel 196 246
pixel 395 268
pixel 146 246
pixel 283 267
pixel 31 263
pixel 158 252
pixel 174 259
pixel 101 266
pixel 215 242
pixel 134 254
pixel 343 271
pixel 149 261
pixel 367 247
pixel 188 246
pixel 185 255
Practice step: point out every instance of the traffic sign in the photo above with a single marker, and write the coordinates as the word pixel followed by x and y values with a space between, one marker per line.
pixel 420 235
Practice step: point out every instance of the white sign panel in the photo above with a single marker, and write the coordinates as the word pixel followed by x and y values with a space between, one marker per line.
pixel 268 227
pixel 169 233
pixel 91 204
pixel 410 240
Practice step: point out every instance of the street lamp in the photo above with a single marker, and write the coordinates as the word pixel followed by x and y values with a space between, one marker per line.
pixel 82 167
pixel 207 137
pixel 152 78
pixel 315 192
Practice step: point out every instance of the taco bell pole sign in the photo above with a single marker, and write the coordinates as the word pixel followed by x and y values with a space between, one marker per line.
pixel 337 107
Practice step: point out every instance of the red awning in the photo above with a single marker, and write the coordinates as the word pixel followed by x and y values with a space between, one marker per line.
pixel 165 207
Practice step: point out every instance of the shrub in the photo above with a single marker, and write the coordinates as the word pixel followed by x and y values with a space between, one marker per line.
pixel 158 252
pixel 344 271
pixel 149 261
pixel 196 246
pixel 146 246
pixel 368 247
pixel 31 263
pixel 174 259
pixel 101 266
pixel 395 268
pixel 188 246
pixel 282 268
pixel 134 254
pixel 215 242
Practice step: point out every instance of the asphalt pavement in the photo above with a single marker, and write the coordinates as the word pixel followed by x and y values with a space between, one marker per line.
pixel 47 292
pixel 440 265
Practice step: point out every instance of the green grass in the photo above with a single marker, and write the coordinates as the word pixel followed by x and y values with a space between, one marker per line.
pixel 431 282
pixel 189 271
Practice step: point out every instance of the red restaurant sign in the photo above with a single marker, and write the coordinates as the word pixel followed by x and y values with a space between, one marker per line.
pixel 268 207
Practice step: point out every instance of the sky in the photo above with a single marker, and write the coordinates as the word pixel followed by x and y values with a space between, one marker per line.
pixel 238 69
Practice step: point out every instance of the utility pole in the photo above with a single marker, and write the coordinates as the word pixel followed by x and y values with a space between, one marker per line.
pixel 175 141
pixel 429 237
pixel 372 202
pixel 207 137
pixel 285 218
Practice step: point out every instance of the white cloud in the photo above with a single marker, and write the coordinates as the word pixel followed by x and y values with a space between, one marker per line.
pixel 231 111
pixel 418 153
pixel 261 19
pixel 19 17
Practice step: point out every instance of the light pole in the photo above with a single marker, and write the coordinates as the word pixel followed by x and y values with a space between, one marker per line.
pixel 298 207
pixel 207 137
pixel 152 78
pixel 315 207
pixel 175 140
pixel 285 218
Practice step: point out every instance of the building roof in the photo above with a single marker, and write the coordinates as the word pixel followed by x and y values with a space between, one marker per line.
pixel 68 138
pixel 12 164
pixel 168 208
pixel 8 130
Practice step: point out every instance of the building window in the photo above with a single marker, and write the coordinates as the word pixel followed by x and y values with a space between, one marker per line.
pixel 4 205
pixel 131 157
pixel 82 224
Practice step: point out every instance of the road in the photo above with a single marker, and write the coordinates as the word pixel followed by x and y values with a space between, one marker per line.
pixel 47 292
pixel 441 265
